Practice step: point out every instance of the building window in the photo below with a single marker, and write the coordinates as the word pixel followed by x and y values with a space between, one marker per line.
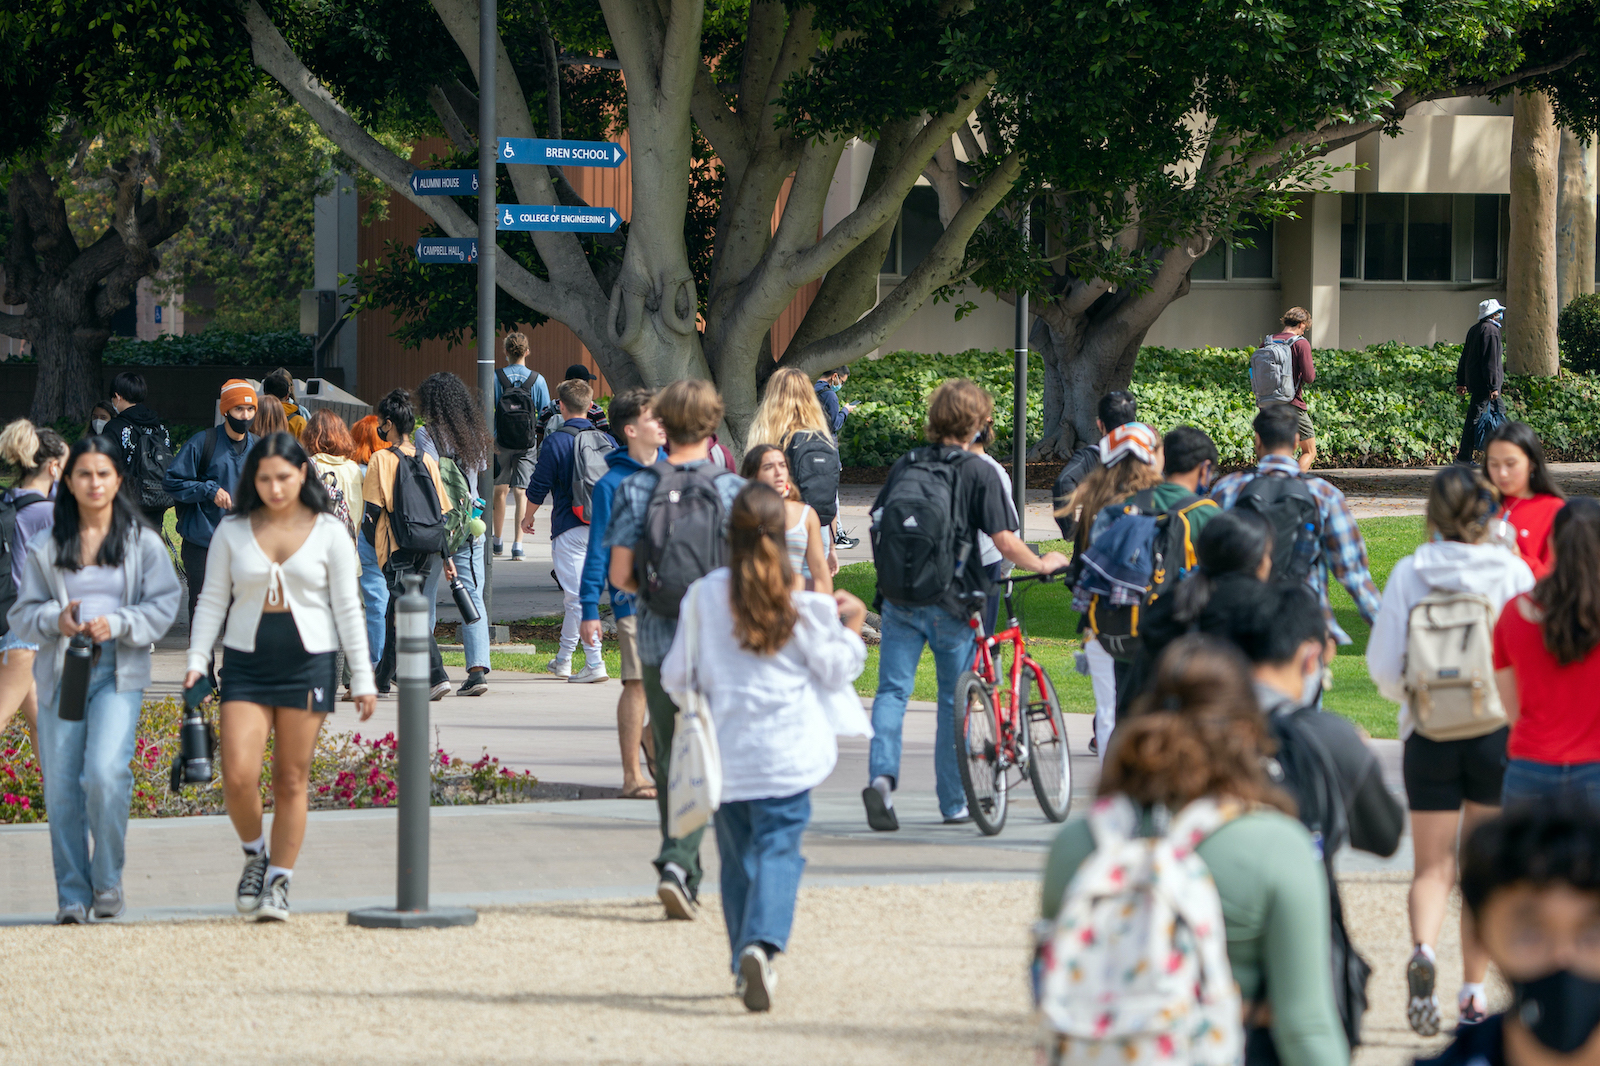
pixel 1233 261
pixel 915 233
pixel 1421 236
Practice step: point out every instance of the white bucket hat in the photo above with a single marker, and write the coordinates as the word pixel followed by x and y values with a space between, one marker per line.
pixel 1489 307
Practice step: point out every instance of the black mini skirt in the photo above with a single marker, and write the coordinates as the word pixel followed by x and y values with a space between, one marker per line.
pixel 280 672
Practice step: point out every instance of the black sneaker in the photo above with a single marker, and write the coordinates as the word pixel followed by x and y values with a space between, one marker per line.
pixel 1422 1010
pixel 1094 745
pixel 274 906
pixel 248 896
pixel 880 816
pixel 842 541
pixel 475 684
pixel 676 898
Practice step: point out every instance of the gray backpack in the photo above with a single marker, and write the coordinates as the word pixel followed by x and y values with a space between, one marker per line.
pixel 1449 671
pixel 589 450
pixel 1272 370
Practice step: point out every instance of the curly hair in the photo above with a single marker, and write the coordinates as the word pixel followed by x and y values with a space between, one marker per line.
pixel 1198 731
pixel 455 421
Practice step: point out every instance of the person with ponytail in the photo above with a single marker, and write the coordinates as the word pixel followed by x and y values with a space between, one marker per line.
pixel 1547 668
pixel 34 456
pixel 101 571
pixel 777 667
pixel 1198 734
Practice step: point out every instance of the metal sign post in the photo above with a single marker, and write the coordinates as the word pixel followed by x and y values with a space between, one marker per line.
pixel 488 54
pixel 1019 405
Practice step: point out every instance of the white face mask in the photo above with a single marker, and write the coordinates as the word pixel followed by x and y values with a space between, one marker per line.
pixel 1311 687
pixel 98 425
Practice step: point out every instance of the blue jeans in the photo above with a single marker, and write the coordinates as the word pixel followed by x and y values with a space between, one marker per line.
pixel 905 631
pixel 474 637
pixel 374 596
pixel 88 784
pixel 1526 780
pixel 759 843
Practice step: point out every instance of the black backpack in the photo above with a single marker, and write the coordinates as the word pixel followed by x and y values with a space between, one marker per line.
pixel 147 466
pixel 683 537
pixel 1288 503
pixel 919 543
pixel 417 520
pixel 514 413
pixel 814 466
pixel 10 504
pixel 1309 775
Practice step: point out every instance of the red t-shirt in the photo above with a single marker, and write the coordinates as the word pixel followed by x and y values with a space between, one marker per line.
pixel 1560 719
pixel 1305 371
pixel 1532 519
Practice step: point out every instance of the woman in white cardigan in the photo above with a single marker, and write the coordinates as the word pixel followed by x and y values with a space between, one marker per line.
pixel 776 667
pixel 283 573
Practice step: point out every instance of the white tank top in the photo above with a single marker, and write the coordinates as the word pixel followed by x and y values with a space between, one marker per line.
pixel 795 537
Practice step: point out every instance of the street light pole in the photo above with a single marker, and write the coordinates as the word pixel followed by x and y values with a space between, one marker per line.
pixel 488 152
pixel 1019 404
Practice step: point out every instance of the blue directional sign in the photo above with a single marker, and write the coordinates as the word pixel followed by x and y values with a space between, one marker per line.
pixel 447 250
pixel 561 153
pixel 444 182
pixel 565 219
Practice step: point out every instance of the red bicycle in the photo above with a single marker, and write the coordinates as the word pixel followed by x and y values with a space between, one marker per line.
pixel 991 741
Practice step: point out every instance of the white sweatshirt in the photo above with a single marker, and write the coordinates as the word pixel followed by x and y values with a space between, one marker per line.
pixel 770 711
pixel 321 583
pixel 1446 565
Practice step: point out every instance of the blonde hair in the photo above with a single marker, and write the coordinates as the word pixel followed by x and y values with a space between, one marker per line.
pixel 25 448
pixel 788 406
pixel 1107 485
pixel 516 345
pixel 575 395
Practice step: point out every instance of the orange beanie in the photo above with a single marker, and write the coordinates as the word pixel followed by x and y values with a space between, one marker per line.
pixel 236 391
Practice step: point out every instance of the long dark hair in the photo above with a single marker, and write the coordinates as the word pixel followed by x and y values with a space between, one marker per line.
pixel 758 557
pixel 1522 435
pixel 126 519
pixel 455 422
pixel 1234 542
pixel 314 494
pixel 1569 595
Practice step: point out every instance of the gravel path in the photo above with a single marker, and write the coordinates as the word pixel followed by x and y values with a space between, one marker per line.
pixel 895 974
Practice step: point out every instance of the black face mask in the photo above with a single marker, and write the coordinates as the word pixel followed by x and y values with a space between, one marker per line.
pixel 1561 1010
pixel 239 425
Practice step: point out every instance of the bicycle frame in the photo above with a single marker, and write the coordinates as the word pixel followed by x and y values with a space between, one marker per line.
pixel 1013 747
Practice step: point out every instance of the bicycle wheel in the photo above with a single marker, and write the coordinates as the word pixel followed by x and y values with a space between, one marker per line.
pixel 978 754
pixel 1049 761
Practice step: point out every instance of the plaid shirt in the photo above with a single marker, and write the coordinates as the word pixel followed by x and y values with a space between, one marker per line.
pixel 1343 550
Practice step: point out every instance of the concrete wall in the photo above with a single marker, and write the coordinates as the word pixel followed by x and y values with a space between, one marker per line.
pixel 1220 314
pixel 185 394
pixel 934 327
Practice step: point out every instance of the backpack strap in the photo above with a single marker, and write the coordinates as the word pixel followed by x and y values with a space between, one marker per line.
pixel 207 450
pixel 504 379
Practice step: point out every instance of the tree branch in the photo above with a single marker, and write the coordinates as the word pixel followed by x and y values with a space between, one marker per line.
pixel 720 125
pixel 552 72
pixel 454 128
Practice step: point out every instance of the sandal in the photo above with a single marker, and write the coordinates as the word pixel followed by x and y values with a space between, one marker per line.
pixel 643 792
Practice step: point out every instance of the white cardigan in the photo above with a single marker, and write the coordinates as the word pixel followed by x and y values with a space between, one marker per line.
pixel 320 581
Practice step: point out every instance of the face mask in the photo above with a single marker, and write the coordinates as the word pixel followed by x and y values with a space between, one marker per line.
pixel 1561 1010
pixel 97 425
pixel 1311 688
pixel 835 385
pixel 239 425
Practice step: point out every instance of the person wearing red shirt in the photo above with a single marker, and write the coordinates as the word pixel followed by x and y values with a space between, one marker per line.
pixel 1296 326
pixel 1547 668
pixel 1514 463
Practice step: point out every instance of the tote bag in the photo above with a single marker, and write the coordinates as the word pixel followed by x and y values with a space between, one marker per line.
pixel 694 776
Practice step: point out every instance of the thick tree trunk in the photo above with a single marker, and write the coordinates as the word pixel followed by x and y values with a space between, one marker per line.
pixel 1531 263
pixel 68 349
pixel 1082 362
pixel 1575 205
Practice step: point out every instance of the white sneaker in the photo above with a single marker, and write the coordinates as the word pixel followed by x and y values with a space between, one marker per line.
pixel 274 906
pixel 558 667
pixel 439 692
pixel 251 883
pixel 759 978
pixel 589 675
pixel 109 904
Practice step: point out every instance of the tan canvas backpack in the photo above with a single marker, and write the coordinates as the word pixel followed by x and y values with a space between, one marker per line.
pixel 1449 672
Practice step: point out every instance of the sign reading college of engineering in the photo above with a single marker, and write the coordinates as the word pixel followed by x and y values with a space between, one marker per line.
pixel 447 250
pixel 561 153
pixel 444 182
pixel 565 219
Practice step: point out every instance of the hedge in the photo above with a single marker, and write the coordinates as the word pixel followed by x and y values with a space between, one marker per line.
pixel 1386 405
pixel 214 347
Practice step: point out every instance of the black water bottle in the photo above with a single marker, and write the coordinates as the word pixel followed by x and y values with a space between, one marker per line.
pixel 464 604
pixel 195 747
pixel 74 688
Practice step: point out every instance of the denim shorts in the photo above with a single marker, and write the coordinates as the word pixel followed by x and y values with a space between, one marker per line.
pixel 12 642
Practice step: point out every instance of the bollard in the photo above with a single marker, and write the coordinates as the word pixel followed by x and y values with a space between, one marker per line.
pixel 411 910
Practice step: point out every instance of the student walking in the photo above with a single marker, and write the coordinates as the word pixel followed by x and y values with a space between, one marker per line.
pixel 520 396
pixel 328 443
pixel 203 477
pixel 926 519
pixel 280 386
pixel 405 503
pixel 1315 534
pixel 642 447
pixel 1114 409
pixel 98 570
pixel 1198 738
pixel 552 418
pixel 775 664
pixel 989 556
pixel 283 575
pixel 1548 671
pixel 145 444
pixel 1514 463
pixel 802 531
pixel 1436 599
pixel 374 585
pixel 688 496
pixel 571 462
pixel 1480 372
pixel 791 417
pixel 33 456
pixel 270 417
pixel 1279 372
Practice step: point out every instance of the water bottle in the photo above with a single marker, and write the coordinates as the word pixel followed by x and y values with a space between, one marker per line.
pixel 1305 548
pixel 464 604
pixel 195 746
pixel 73 691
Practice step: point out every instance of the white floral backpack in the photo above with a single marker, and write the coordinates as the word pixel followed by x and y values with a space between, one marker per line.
pixel 1135 968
